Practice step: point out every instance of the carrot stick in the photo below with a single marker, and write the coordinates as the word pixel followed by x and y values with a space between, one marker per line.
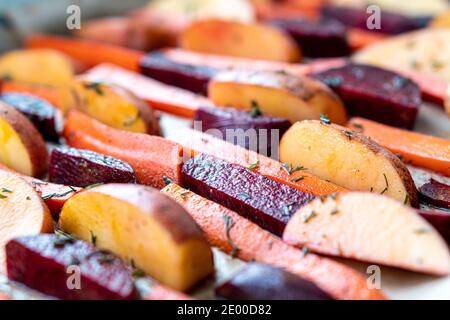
pixel 4 296
pixel 54 195
pixel 197 142
pixel 160 292
pixel 151 157
pixel 160 96
pixel 88 53
pixel 251 243
pixel 415 148
pixel 359 38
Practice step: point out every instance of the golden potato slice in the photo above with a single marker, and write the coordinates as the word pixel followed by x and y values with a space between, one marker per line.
pixel 240 40
pixel 22 211
pixel 38 66
pixel 114 106
pixel 348 159
pixel 371 228
pixel 441 21
pixel 143 226
pixel 22 147
pixel 277 94
pixel 425 51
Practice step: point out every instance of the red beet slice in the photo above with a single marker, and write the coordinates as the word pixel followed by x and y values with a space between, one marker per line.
pixel 46 118
pixel 375 93
pixel 249 130
pixel 440 221
pixel 268 203
pixel 81 168
pixel 263 282
pixel 391 23
pixel 194 78
pixel 323 38
pixel 435 193
pixel 43 262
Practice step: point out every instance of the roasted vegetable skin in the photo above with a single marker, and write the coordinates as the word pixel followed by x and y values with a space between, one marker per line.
pixel 82 168
pixel 251 131
pixel 323 38
pixel 440 221
pixel 46 118
pixel 268 203
pixel 263 282
pixel 435 193
pixel 375 93
pixel 190 77
pixel 46 263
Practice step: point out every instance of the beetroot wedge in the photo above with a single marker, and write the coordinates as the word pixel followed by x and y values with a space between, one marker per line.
pixel 49 263
pixel 440 221
pixel 46 118
pixel 323 38
pixel 186 76
pixel 436 194
pixel 82 168
pixel 268 203
pixel 375 93
pixel 391 23
pixel 250 130
pixel 263 282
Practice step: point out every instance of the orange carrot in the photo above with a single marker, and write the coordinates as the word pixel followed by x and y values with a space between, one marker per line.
pixel 54 195
pixel 151 157
pixel 197 142
pixel 160 96
pixel 160 292
pixel 251 243
pixel 88 53
pixel 4 296
pixel 359 38
pixel 418 149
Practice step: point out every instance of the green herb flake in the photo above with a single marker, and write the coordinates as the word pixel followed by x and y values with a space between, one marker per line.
pixel 387 184
pixel 289 169
pixel 62 238
pixel 334 212
pixel 298 179
pixel 244 195
pixel 96 86
pixel 305 251
pixel 93 238
pixel 324 119
pixel 229 223
pixel 138 273
pixel 58 195
pixel 253 166
pixel 184 194
pixel 405 202
pixel 255 110
pixel 166 180
pixel 93 185
pixel 2 196
pixel 333 82
pixel 310 216
pixel 421 231
pixel 6 190
pixel 28 198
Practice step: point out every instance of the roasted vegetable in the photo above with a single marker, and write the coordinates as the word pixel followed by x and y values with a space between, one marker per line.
pixel 417 149
pixel 392 23
pixel 195 142
pixel 436 193
pixel 262 282
pixel 316 38
pixel 348 159
pixel 82 168
pixel 155 233
pixel 114 106
pixel 375 93
pixel 194 78
pixel 39 66
pixel 267 203
pixel 236 235
pixel 160 96
pixel 22 211
pixel 22 148
pixel 440 221
pixel 48 263
pixel 247 129
pixel 277 94
pixel 153 159
pixel 45 117
pixel 385 231
pixel 240 39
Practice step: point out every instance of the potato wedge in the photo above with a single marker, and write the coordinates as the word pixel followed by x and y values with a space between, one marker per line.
pixel 441 21
pixel 371 228
pixel 424 51
pixel 143 226
pixel 277 94
pixel 348 159
pixel 38 66
pixel 22 147
pixel 22 212
pixel 240 40
pixel 114 106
